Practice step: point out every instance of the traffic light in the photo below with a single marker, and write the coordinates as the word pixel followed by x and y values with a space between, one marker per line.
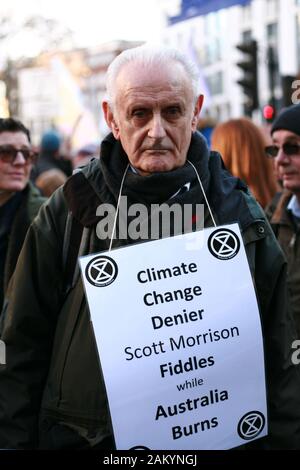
pixel 269 113
pixel 249 82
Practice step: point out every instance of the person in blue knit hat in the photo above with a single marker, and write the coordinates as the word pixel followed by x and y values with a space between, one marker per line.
pixel 50 157
pixel 284 211
pixel 50 142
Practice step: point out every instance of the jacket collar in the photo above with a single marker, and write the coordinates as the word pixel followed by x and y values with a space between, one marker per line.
pixel 228 196
pixel 280 215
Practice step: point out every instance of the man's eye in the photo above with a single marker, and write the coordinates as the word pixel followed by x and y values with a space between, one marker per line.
pixel 139 113
pixel 173 111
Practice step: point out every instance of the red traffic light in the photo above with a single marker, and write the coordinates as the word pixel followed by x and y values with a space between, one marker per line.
pixel 269 112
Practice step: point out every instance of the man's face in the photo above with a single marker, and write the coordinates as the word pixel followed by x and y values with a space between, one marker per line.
pixel 14 176
pixel 154 116
pixel 288 166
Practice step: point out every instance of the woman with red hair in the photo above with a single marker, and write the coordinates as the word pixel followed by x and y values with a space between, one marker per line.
pixel 242 146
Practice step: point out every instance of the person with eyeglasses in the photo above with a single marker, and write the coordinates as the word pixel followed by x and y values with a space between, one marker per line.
pixel 19 199
pixel 284 210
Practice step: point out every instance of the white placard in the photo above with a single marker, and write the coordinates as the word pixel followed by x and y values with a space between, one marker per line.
pixel 180 344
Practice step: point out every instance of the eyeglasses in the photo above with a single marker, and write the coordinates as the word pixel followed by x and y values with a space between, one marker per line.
pixel 288 149
pixel 8 154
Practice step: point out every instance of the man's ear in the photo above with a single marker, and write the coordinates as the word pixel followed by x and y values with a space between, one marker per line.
pixel 197 110
pixel 110 120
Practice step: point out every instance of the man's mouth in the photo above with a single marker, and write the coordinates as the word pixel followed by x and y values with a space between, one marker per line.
pixel 16 175
pixel 157 150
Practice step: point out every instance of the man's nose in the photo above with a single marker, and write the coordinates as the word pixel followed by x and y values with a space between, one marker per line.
pixel 282 158
pixel 157 130
pixel 19 160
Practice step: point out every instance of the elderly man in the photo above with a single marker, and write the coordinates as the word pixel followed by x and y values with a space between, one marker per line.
pixel 154 155
pixel 284 211
pixel 19 200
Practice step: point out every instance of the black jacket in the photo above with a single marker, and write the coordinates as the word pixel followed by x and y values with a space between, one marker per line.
pixel 29 203
pixel 287 232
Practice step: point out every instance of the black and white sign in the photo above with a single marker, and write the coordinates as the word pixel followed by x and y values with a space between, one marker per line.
pixel 180 343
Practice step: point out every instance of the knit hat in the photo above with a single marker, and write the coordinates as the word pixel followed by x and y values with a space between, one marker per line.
pixel 288 119
pixel 50 141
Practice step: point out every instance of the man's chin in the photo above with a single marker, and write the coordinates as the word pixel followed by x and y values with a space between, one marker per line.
pixel 156 167
pixel 153 170
pixel 18 186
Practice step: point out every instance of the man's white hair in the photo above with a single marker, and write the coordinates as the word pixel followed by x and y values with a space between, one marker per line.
pixel 148 55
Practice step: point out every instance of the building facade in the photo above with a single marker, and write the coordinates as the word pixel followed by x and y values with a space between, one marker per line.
pixel 209 31
pixel 64 90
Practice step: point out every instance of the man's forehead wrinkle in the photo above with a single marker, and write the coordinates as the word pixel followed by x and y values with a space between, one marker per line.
pixel 137 90
pixel 142 94
pixel 152 88
pixel 134 79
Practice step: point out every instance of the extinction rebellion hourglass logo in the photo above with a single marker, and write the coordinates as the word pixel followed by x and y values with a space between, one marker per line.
pixel 223 244
pixel 101 271
pixel 251 425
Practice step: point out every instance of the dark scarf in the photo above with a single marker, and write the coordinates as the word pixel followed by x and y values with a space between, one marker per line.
pixel 100 183
pixel 158 187
pixel 84 191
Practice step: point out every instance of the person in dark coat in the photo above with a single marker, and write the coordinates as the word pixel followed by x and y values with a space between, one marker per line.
pixel 284 210
pixel 19 199
pixel 154 156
